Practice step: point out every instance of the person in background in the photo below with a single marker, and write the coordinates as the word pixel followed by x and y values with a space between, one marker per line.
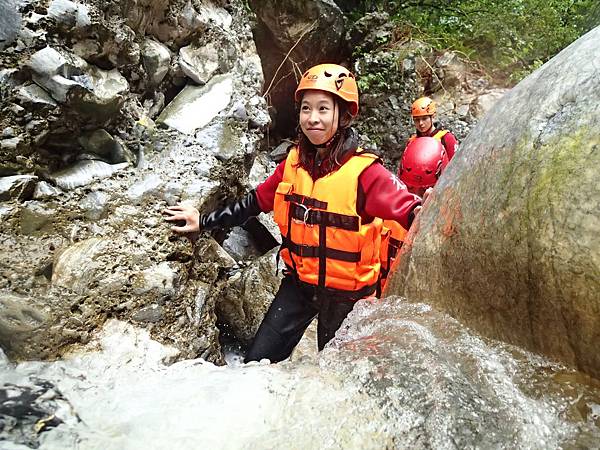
pixel 423 115
pixel 422 163
pixel 328 197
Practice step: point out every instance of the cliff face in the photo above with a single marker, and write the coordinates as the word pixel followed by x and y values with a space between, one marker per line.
pixel 110 112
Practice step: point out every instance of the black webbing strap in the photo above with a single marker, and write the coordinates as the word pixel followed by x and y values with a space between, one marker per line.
pixel 286 240
pixel 306 201
pixel 322 255
pixel 393 246
pixel 308 251
pixel 339 294
pixel 324 218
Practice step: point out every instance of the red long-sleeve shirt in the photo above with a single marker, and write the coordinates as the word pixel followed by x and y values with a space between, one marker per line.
pixel 380 194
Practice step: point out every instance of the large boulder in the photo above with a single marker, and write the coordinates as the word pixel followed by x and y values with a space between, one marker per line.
pixel 509 243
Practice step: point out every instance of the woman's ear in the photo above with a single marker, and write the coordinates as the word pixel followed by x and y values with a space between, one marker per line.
pixel 345 119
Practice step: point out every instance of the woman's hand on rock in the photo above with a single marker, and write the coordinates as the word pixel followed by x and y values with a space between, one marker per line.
pixel 186 218
pixel 426 194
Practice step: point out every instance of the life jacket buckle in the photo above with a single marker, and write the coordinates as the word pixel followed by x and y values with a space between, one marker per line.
pixel 307 211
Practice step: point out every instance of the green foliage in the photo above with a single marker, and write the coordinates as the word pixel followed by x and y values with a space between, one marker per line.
pixel 372 81
pixel 512 37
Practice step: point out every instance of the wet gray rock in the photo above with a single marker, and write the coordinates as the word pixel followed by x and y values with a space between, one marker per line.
pixel 85 88
pixel 10 21
pixel 69 14
pixel 28 410
pixel 84 172
pixel 152 314
pixel 101 143
pixel 11 144
pixel 222 140
pixel 509 241
pixel 94 204
pixel 240 245
pixel 181 25
pixel 195 106
pixel 371 30
pixel 19 320
pixel 156 58
pixel 144 188
pixel 257 111
pixel 33 96
pixel 161 278
pixel 260 171
pixel 44 190
pixel 75 267
pixel 485 102
pixel 53 72
pixel 246 296
pixel 36 217
pixel 450 71
pixel 212 251
pixel 10 78
pixel 17 187
pixel 199 63
pixel 281 151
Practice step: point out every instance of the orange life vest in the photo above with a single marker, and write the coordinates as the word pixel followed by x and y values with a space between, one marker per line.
pixel 324 239
pixel 438 135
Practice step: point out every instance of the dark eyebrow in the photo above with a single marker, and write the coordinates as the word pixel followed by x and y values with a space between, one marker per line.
pixel 319 103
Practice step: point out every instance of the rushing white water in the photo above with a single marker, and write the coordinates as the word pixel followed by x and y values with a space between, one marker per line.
pixel 398 375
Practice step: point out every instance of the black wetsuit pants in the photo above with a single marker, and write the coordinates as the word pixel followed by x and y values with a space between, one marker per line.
pixel 294 307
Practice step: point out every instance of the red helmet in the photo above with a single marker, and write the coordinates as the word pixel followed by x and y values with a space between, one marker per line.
pixel 422 163
pixel 331 78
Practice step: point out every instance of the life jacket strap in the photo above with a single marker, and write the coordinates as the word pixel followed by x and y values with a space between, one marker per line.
pixel 306 201
pixel 308 251
pixel 324 218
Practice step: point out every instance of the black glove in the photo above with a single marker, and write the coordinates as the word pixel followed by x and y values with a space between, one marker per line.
pixel 233 214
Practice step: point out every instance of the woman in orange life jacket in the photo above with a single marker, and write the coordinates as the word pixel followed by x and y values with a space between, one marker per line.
pixel 421 165
pixel 423 115
pixel 328 198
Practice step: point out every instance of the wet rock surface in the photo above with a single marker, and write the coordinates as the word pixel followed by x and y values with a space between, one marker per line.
pixel 86 172
pixel 28 410
pixel 510 241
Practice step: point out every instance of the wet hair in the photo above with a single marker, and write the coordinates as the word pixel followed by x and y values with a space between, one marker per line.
pixel 338 152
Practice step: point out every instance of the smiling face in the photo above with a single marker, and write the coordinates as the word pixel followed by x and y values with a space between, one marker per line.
pixel 423 123
pixel 318 116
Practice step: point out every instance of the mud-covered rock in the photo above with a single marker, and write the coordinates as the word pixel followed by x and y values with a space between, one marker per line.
pixel 76 98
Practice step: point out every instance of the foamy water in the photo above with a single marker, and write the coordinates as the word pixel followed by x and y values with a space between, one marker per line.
pixel 398 375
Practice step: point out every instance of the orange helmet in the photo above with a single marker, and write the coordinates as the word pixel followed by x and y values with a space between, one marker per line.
pixel 331 78
pixel 423 106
